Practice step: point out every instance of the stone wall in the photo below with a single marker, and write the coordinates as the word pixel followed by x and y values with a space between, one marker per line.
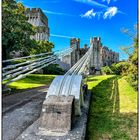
pixel 101 56
pixel 109 56
pixel 37 18
pixel 96 57
pixel 75 55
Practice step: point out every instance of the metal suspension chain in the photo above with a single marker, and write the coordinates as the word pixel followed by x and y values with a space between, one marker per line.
pixel 76 69
pixel 23 69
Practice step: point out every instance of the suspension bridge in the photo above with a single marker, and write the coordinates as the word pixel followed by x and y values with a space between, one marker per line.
pixel 65 95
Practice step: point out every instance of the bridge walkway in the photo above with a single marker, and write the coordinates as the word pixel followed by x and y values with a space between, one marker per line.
pixel 20 110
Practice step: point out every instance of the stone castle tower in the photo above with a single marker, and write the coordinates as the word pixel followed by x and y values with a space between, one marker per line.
pixel 38 19
pixel 96 57
pixel 101 56
pixel 75 44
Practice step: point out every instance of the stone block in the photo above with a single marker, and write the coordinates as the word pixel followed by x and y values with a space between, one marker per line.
pixel 57 113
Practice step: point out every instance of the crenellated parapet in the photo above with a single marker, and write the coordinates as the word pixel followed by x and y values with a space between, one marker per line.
pixel 74 43
pixel 36 13
pixel 101 55
pixel 38 19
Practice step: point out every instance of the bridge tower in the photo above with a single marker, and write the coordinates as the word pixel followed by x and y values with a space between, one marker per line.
pixel 96 57
pixel 75 56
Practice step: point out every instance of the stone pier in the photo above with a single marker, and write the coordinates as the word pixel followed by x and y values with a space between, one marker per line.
pixel 64 114
pixel 57 114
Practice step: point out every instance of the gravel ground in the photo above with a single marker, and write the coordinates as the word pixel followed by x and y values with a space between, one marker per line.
pixel 21 115
pixel 20 111
pixel 78 132
pixel 12 101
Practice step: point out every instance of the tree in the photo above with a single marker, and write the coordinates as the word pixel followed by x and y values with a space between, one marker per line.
pixel 133 57
pixel 16 31
pixel 53 69
pixel 41 47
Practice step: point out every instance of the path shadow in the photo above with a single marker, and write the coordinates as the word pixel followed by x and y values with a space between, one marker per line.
pixel 91 80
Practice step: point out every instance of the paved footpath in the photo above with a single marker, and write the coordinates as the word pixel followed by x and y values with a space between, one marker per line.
pixel 20 110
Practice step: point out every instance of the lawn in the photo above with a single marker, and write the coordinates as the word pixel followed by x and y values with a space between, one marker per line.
pixel 32 81
pixel 113 109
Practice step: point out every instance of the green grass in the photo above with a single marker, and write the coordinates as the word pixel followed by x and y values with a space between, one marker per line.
pixel 32 81
pixel 113 109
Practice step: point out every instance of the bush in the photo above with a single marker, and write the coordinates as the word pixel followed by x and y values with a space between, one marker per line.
pixel 106 70
pixel 120 68
pixel 53 69
pixel 127 69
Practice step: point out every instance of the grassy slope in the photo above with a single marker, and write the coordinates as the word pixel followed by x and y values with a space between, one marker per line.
pixel 31 81
pixel 113 109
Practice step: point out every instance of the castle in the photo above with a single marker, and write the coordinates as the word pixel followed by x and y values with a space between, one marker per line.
pixel 37 18
pixel 101 56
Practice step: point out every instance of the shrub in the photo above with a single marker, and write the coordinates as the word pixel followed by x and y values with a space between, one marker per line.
pixel 120 68
pixel 106 70
pixel 53 69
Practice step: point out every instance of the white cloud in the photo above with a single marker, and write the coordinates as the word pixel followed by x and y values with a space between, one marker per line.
pixel 67 37
pixel 92 2
pixel 108 1
pixel 89 14
pixel 56 13
pixel 111 11
pixel 61 36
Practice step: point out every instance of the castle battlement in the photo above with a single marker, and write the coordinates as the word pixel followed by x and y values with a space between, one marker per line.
pixel 37 18
pixel 101 55
pixel 35 13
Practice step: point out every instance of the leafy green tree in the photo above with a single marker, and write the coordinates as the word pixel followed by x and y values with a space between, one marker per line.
pixel 41 47
pixel 16 31
pixel 132 70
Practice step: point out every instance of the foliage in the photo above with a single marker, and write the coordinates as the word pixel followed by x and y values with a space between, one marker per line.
pixel 16 31
pixel 41 47
pixel 113 109
pixel 106 70
pixel 53 69
pixel 120 68
pixel 129 67
pixel 132 70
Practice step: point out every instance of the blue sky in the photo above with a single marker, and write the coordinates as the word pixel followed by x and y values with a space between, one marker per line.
pixel 88 18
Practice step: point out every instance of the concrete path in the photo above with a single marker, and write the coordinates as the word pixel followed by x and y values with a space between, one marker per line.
pixel 20 110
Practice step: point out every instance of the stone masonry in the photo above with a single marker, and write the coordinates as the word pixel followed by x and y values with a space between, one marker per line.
pixel 101 55
pixel 76 54
pixel 57 114
pixel 38 19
